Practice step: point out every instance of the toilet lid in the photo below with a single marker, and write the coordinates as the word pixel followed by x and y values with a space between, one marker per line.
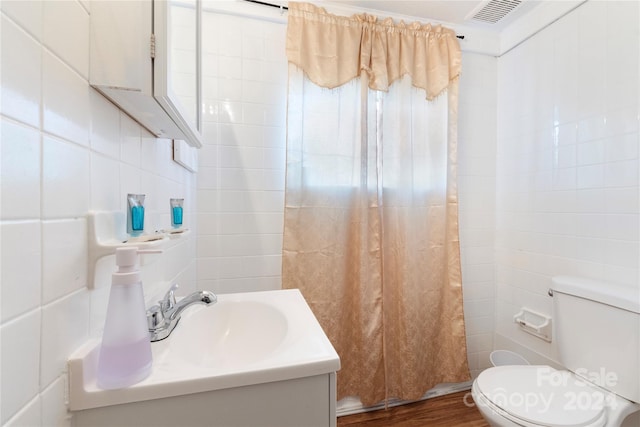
pixel 542 395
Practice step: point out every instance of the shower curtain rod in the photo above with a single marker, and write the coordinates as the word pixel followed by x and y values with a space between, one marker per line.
pixel 286 8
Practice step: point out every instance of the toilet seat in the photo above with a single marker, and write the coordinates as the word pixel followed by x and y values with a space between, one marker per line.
pixel 541 396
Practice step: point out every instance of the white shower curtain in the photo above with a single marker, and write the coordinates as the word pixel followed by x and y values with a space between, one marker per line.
pixel 371 232
pixel 371 221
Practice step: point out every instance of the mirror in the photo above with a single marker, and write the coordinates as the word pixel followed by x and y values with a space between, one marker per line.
pixel 183 21
pixel 177 61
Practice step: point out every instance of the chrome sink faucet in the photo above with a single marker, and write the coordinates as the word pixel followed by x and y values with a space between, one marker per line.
pixel 164 317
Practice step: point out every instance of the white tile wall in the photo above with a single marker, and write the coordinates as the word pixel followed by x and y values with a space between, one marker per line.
pixel 65 98
pixel 71 315
pixel 21 86
pixel 29 415
pixel 20 171
pixel 241 175
pixel 66 150
pixel 567 160
pixel 64 258
pixel 54 403
pixel 20 362
pixel 21 275
pixel 476 191
pixel 65 184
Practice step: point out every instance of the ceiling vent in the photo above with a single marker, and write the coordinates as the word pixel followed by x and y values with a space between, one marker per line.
pixel 495 10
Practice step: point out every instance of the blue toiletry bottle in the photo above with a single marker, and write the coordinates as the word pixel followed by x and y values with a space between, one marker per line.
pixel 135 214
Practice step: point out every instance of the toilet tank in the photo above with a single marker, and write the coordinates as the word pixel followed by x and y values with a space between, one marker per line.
pixel 597 331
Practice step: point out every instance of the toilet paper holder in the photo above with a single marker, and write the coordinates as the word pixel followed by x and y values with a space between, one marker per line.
pixel 534 323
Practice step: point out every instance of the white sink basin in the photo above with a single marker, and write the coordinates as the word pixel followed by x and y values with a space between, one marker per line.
pixel 229 334
pixel 243 339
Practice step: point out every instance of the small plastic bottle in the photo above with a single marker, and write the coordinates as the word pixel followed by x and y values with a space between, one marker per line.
pixel 125 355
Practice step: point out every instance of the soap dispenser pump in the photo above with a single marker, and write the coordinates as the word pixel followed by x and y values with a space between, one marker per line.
pixel 125 353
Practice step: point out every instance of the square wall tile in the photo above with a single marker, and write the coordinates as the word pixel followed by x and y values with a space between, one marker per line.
pixel 269 201
pixel 253 47
pixel 229 112
pixel 151 156
pixel 622 121
pixel 130 140
pixel 64 258
pixel 65 97
pixel 261 266
pixel 66 179
pixel 20 349
pixel 591 152
pixel 21 260
pixel 621 174
pixel 253 70
pixel 208 178
pixel 175 260
pixel 54 404
pixel 105 126
pixel 20 165
pixel 21 74
pixel 275 72
pixel 622 147
pixel 207 157
pixel 479 342
pixel 65 327
pixel 209 83
pixel 621 200
pixel 621 253
pixel 590 176
pixel 27 14
pixel 29 415
pixel 232 36
pixel 227 90
pixel 105 183
pixel 229 67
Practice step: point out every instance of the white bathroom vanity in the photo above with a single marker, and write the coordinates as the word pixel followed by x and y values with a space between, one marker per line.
pixel 252 359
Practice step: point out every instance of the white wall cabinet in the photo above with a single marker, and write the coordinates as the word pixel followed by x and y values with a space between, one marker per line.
pixel 145 57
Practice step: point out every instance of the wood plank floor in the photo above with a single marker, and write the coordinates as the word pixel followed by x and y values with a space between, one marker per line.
pixel 443 411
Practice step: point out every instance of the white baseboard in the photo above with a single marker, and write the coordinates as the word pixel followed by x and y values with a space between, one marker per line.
pixel 352 405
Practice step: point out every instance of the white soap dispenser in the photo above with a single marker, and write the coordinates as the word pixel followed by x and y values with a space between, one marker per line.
pixel 125 354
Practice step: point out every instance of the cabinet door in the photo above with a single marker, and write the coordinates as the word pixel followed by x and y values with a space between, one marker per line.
pixel 120 53
pixel 177 60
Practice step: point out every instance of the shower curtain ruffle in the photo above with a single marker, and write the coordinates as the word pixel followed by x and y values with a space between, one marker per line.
pixel 322 45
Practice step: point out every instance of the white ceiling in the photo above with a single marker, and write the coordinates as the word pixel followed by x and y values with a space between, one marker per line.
pixel 458 12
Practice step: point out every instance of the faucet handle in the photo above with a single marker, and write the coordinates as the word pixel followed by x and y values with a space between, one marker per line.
pixel 155 317
pixel 169 299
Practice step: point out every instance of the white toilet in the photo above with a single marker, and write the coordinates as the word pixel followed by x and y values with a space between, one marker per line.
pixel 597 332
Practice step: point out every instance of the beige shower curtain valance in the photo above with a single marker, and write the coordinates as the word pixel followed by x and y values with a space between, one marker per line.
pixel 322 45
